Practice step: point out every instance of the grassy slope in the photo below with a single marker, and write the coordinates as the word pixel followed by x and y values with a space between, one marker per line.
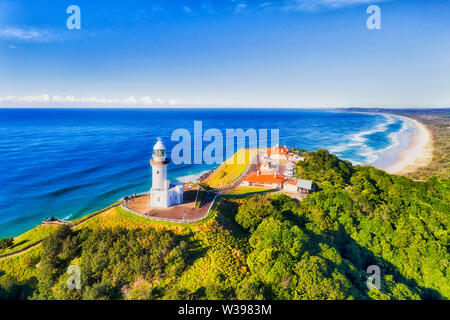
pixel 230 169
pixel 30 237
pixel 22 268
pixel 37 234
pixel 220 254
pixel 247 190
pixel 210 257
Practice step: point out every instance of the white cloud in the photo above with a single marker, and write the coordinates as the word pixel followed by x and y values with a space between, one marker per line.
pixel 264 4
pixel 23 34
pixel 240 7
pixel 187 10
pixel 208 7
pixel 310 5
pixel 71 99
pixel 130 100
pixel 176 102
pixel 147 100
pixel 42 98
pixel 64 99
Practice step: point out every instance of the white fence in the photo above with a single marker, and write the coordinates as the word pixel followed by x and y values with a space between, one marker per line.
pixel 138 195
pixel 123 206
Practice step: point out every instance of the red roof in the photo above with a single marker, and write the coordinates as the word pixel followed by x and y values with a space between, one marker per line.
pixel 293 183
pixel 265 178
pixel 278 150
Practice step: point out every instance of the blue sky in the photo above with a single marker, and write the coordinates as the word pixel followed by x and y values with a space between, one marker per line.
pixel 224 53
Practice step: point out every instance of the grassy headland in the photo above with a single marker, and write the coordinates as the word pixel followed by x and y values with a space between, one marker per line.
pixel 231 169
pixel 259 246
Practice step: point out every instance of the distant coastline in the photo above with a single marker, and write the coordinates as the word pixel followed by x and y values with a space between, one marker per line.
pixel 418 153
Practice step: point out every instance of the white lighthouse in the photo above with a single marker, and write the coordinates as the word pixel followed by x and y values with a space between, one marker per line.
pixel 163 194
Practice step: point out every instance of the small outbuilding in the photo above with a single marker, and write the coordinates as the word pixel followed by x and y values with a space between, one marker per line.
pixel 301 186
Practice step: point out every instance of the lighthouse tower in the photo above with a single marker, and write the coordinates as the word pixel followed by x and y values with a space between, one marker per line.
pixel 163 194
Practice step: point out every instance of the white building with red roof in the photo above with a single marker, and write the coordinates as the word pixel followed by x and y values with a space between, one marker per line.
pixel 279 153
pixel 264 180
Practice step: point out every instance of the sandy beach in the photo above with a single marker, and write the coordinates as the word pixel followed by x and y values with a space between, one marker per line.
pixel 418 153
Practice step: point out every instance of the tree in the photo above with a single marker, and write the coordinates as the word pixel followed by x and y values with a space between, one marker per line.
pixel 253 212
pixel 6 243
pixel 100 291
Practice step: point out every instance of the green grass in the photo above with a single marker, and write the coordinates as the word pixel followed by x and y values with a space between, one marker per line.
pixel 119 217
pixel 248 190
pixel 91 215
pixel 41 232
pixel 111 217
pixel 23 267
pixel 20 267
pixel 220 255
pixel 30 237
pixel 231 169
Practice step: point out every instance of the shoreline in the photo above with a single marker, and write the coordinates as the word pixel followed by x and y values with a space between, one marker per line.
pixel 417 154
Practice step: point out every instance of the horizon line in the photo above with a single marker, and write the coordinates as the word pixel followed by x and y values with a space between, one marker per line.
pixel 217 107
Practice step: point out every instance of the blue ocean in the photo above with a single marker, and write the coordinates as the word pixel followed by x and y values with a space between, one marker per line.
pixel 71 162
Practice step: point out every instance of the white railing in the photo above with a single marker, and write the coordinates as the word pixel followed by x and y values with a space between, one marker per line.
pixel 146 193
pixel 123 206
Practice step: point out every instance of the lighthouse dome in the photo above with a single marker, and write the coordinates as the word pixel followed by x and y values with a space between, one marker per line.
pixel 159 150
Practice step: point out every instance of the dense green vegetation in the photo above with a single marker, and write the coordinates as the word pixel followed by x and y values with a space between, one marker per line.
pixel 321 166
pixel 260 246
pixel 113 262
pixel 6 243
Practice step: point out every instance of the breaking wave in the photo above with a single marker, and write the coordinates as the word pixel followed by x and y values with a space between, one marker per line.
pixel 358 148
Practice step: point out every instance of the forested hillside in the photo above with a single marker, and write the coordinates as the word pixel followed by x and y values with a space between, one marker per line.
pixel 260 247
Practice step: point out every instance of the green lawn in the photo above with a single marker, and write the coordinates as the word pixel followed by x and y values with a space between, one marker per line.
pixel 248 190
pixel 231 169
pixel 30 237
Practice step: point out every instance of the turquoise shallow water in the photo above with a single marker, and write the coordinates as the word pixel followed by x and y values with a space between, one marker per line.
pixel 70 162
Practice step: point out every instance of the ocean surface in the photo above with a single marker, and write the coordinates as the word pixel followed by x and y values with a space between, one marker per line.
pixel 70 162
